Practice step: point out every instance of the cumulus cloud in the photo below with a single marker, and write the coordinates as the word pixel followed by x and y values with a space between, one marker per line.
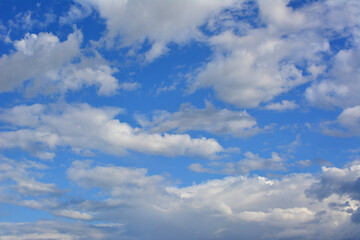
pixel 337 181
pixel 158 22
pixel 277 208
pixel 350 119
pixel 84 127
pixel 210 119
pixel 344 181
pixel 260 63
pixel 341 87
pixel 346 124
pixel 48 67
pixel 248 70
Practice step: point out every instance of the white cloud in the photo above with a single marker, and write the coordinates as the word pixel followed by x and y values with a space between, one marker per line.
pixel 120 180
pixel 273 203
pixel 76 12
pixel 342 85
pixel 258 64
pixel 48 68
pixel 210 119
pixel 282 106
pixel 346 124
pixel 248 70
pixel 158 22
pixel 72 214
pixel 25 183
pixel 334 180
pixel 129 86
pixel 45 155
pixel 84 127
pixel 350 119
pixel 277 14
pixel 28 20
pixel 279 217
pixel 232 207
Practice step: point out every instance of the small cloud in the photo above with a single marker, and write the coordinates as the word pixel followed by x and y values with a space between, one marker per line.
pixel 282 106
pixel 73 214
pixel 250 163
pixel 197 167
pixel 45 155
pixel 304 163
pixel 130 86
pixel 323 162
pixel 156 51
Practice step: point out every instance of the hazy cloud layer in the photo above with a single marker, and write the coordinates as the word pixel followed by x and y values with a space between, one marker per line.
pixel 230 207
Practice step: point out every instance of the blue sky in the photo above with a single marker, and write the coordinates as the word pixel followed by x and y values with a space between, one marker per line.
pixel 218 119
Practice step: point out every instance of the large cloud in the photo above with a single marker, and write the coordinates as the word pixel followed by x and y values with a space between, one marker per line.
pixel 342 85
pixel 159 22
pixel 84 127
pixel 230 208
pixel 344 181
pixel 239 207
pixel 248 70
pixel 337 181
pixel 252 65
pixel 48 67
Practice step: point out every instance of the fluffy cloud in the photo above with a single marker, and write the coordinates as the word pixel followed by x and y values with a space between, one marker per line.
pixel 84 127
pixel 342 85
pixel 210 119
pixel 337 181
pixel 350 119
pixel 48 67
pixel 248 70
pixel 158 22
pixel 260 63
pixel 346 124
pixel 344 181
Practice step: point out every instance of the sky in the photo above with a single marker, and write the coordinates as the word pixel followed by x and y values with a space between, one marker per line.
pixel 192 119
